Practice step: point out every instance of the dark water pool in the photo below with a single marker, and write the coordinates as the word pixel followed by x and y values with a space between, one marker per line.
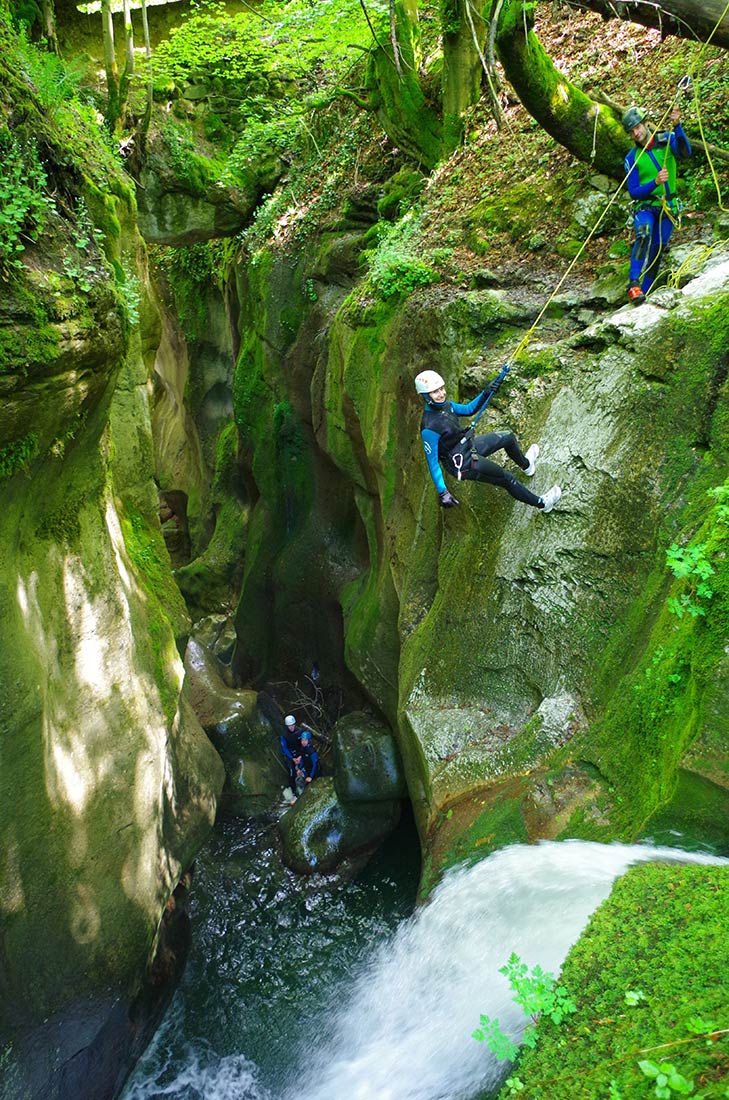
pixel 273 955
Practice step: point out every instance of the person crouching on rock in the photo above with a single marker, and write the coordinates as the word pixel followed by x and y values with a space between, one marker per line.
pixel 290 742
pixel 308 764
pixel 465 455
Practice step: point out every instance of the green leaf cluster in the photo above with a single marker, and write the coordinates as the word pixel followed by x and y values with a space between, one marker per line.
pixel 56 81
pixel 272 68
pixel 690 563
pixel 16 456
pixel 668 1081
pixel 396 267
pixel 538 993
pixel 24 203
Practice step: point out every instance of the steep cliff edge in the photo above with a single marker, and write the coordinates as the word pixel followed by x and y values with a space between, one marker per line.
pixel 109 784
pixel 494 637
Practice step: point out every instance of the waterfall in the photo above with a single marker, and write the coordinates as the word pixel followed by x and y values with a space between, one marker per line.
pixel 402 1029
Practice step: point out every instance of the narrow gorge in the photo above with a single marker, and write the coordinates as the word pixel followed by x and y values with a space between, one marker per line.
pixel 217 511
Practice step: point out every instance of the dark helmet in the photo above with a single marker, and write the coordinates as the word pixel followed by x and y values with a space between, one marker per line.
pixel 632 117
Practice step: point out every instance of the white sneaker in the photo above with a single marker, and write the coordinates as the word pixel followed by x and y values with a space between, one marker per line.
pixel 551 497
pixel 532 454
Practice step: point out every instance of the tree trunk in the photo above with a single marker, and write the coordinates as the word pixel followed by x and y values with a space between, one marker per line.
pixel 128 40
pixel 590 131
pixel 462 68
pixel 112 72
pixel 150 78
pixel 395 94
pixel 684 18
pixel 49 26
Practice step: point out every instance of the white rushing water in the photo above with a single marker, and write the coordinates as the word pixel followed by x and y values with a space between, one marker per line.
pixel 402 1031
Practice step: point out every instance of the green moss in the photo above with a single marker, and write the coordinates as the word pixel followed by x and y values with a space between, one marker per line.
pixel 148 554
pixel 470 829
pixel 189 272
pixel 17 456
pixel 64 524
pixel 32 342
pixel 661 932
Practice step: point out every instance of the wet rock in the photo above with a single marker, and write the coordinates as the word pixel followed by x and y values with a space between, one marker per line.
pixel 241 733
pixel 319 832
pixel 367 765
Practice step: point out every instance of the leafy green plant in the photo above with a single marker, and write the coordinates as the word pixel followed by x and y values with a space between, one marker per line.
pixel 56 81
pixel 538 994
pixel 690 563
pixel 395 266
pixel 24 204
pixel 668 1081
pixel 130 292
pixel 16 456
pixel 721 495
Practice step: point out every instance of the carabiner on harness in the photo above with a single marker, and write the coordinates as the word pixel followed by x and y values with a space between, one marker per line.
pixel 458 463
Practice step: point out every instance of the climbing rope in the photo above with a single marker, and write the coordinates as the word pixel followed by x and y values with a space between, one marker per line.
pixel 693 263
pixel 685 84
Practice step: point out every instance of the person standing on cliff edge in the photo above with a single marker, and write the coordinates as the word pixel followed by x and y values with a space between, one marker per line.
pixel 651 174
pixel 465 455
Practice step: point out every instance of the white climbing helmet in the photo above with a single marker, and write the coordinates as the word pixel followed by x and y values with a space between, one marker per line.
pixel 290 720
pixel 427 381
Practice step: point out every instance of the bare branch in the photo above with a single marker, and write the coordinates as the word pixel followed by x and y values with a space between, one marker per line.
pixel 489 71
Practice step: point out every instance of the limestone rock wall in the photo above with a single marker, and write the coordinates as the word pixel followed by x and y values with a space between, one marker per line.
pixel 109 785
pixel 494 637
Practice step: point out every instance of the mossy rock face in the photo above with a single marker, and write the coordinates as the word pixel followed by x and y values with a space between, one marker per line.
pixel 471 629
pixel 183 198
pixel 116 784
pixel 660 937
pixel 241 733
pixel 320 833
pixel 367 765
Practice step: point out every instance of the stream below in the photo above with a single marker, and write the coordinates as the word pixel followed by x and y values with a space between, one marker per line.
pixel 310 988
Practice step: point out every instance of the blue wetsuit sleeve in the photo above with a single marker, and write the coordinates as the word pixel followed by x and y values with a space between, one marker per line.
pixel 285 748
pixel 430 446
pixel 680 144
pixel 471 407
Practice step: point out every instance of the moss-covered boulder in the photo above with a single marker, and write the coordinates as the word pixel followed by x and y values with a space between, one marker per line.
pixel 320 833
pixel 185 197
pixel 367 765
pixel 240 730
pixel 648 976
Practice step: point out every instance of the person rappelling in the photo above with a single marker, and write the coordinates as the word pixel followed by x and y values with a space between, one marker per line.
pixel 465 454
pixel 651 173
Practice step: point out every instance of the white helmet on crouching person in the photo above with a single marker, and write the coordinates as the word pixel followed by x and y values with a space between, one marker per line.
pixel 427 381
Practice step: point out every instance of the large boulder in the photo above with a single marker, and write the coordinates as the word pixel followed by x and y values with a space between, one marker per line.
pixel 367 765
pixel 240 730
pixel 320 833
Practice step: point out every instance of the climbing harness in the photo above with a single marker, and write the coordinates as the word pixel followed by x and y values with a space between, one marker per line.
pixel 464 448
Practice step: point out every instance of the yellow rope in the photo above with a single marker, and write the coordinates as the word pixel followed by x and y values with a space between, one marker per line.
pixel 693 263
pixel 528 335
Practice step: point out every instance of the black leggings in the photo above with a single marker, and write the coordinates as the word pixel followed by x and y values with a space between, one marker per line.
pixel 483 470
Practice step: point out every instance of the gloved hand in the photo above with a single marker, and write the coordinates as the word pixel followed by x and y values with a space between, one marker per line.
pixel 447 499
pixel 494 386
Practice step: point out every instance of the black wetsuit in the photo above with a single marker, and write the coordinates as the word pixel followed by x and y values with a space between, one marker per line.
pixel 442 436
